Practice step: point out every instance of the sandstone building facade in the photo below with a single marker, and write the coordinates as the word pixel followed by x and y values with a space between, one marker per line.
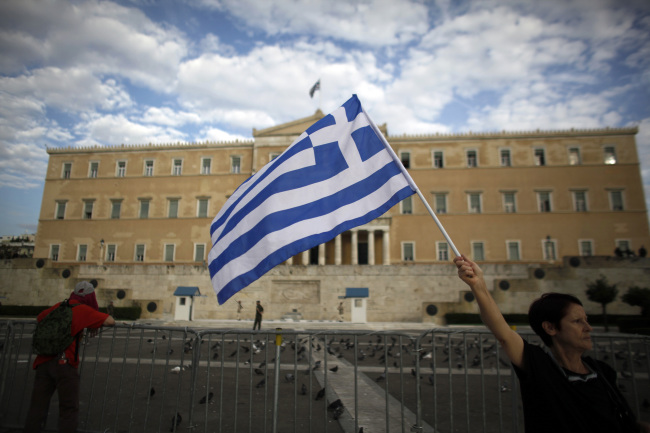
pixel 520 198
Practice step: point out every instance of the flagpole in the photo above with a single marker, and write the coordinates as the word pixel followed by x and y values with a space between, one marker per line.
pixel 413 185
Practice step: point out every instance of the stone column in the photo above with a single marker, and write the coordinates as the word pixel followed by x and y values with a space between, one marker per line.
pixel 338 256
pixel 289 261
pixel 386 247
pixel 321 255
pixel 305 257
pixel 355 246
pixel 371 247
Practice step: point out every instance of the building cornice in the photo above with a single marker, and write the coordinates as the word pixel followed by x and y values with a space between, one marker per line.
pixel 150 146
pixel 471 135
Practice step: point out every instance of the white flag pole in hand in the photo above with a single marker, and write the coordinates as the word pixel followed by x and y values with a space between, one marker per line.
pixel 416 189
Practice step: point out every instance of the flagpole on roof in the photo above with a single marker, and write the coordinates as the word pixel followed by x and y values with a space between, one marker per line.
pixel 414 186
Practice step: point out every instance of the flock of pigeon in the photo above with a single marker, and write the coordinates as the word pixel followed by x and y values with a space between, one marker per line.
pixel 457 352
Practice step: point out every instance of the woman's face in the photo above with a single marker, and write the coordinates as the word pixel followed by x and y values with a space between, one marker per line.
pixel 574 330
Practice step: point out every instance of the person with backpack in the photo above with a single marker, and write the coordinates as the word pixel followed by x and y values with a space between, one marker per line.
pixel 56 341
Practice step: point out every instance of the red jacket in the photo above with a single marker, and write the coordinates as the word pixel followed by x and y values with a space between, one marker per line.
pixel 83 316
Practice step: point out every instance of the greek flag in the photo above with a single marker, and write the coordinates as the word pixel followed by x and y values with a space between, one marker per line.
pixel 340 173
pixel 314 88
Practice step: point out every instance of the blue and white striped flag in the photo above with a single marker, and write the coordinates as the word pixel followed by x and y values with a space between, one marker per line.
pixel 340 173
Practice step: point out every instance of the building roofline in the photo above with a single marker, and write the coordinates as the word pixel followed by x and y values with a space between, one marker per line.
pixel 150 146
pixel 470 135
pixel 270 131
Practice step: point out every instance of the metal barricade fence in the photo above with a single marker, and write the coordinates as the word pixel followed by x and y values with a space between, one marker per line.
pixel 144 378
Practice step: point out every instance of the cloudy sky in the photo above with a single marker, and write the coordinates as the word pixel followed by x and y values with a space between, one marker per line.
pixel 76 73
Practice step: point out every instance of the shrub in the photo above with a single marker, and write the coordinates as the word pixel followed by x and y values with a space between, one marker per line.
pixel 638 297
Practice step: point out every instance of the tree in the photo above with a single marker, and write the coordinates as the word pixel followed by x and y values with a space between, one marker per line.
pixel 638 297
pixel 603 293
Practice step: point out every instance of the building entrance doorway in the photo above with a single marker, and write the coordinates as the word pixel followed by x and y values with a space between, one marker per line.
pixel 358 310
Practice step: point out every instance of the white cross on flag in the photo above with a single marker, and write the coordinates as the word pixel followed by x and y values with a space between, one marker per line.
pixel 340 173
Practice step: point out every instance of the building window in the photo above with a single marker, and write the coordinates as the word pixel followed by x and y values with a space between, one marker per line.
pixel 580 201
pixel 67 170
pixel 54 253
pixel 169 252
pixel 442 251
pixel 623 245
pixel 206 165
pixel 474 202
pixel 177 167
pixel 616 200
pixel 148 167
pixel 610 155
pixel 273 155
pixel 539 157
pixel 199 252
pixel 202 205
pixel 111 249
pixel 478 251
pixel 94 169
pixel 505 158
pixel 144 208
pixel 408 251
pixel 173 208
pixel 509 203
pixel 235 164
pixel 549 246
pixel 139 253
pixel 440 202
pixel 60 210
pixel 121 169
pixel 513 250
pixel 438 159
pixel 81 253
pixel 88 209
pixel 472 158
pixel 574 156
pixel 586 247
pixel 544 201
pixel 405 157
pixel 116 209
pixel 407 206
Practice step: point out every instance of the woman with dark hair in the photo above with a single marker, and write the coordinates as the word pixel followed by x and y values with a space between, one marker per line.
pixel 561 389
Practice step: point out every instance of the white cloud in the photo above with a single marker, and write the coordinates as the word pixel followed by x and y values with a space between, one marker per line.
pixel 102 37
pixel 488 50
pixel 22 165
pixel 18 114
pixel 168 117
pixel 370 22
pixel 253 82
pixel 117 129
pixel 219 135
pixel 530 109
pixel 72 89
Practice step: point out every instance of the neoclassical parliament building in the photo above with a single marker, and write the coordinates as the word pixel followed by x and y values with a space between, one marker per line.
pixel 505 198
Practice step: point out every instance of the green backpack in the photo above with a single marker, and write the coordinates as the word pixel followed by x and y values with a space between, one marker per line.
pixel 54 333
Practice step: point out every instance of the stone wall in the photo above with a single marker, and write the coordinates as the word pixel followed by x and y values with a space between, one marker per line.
pixel 397 293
